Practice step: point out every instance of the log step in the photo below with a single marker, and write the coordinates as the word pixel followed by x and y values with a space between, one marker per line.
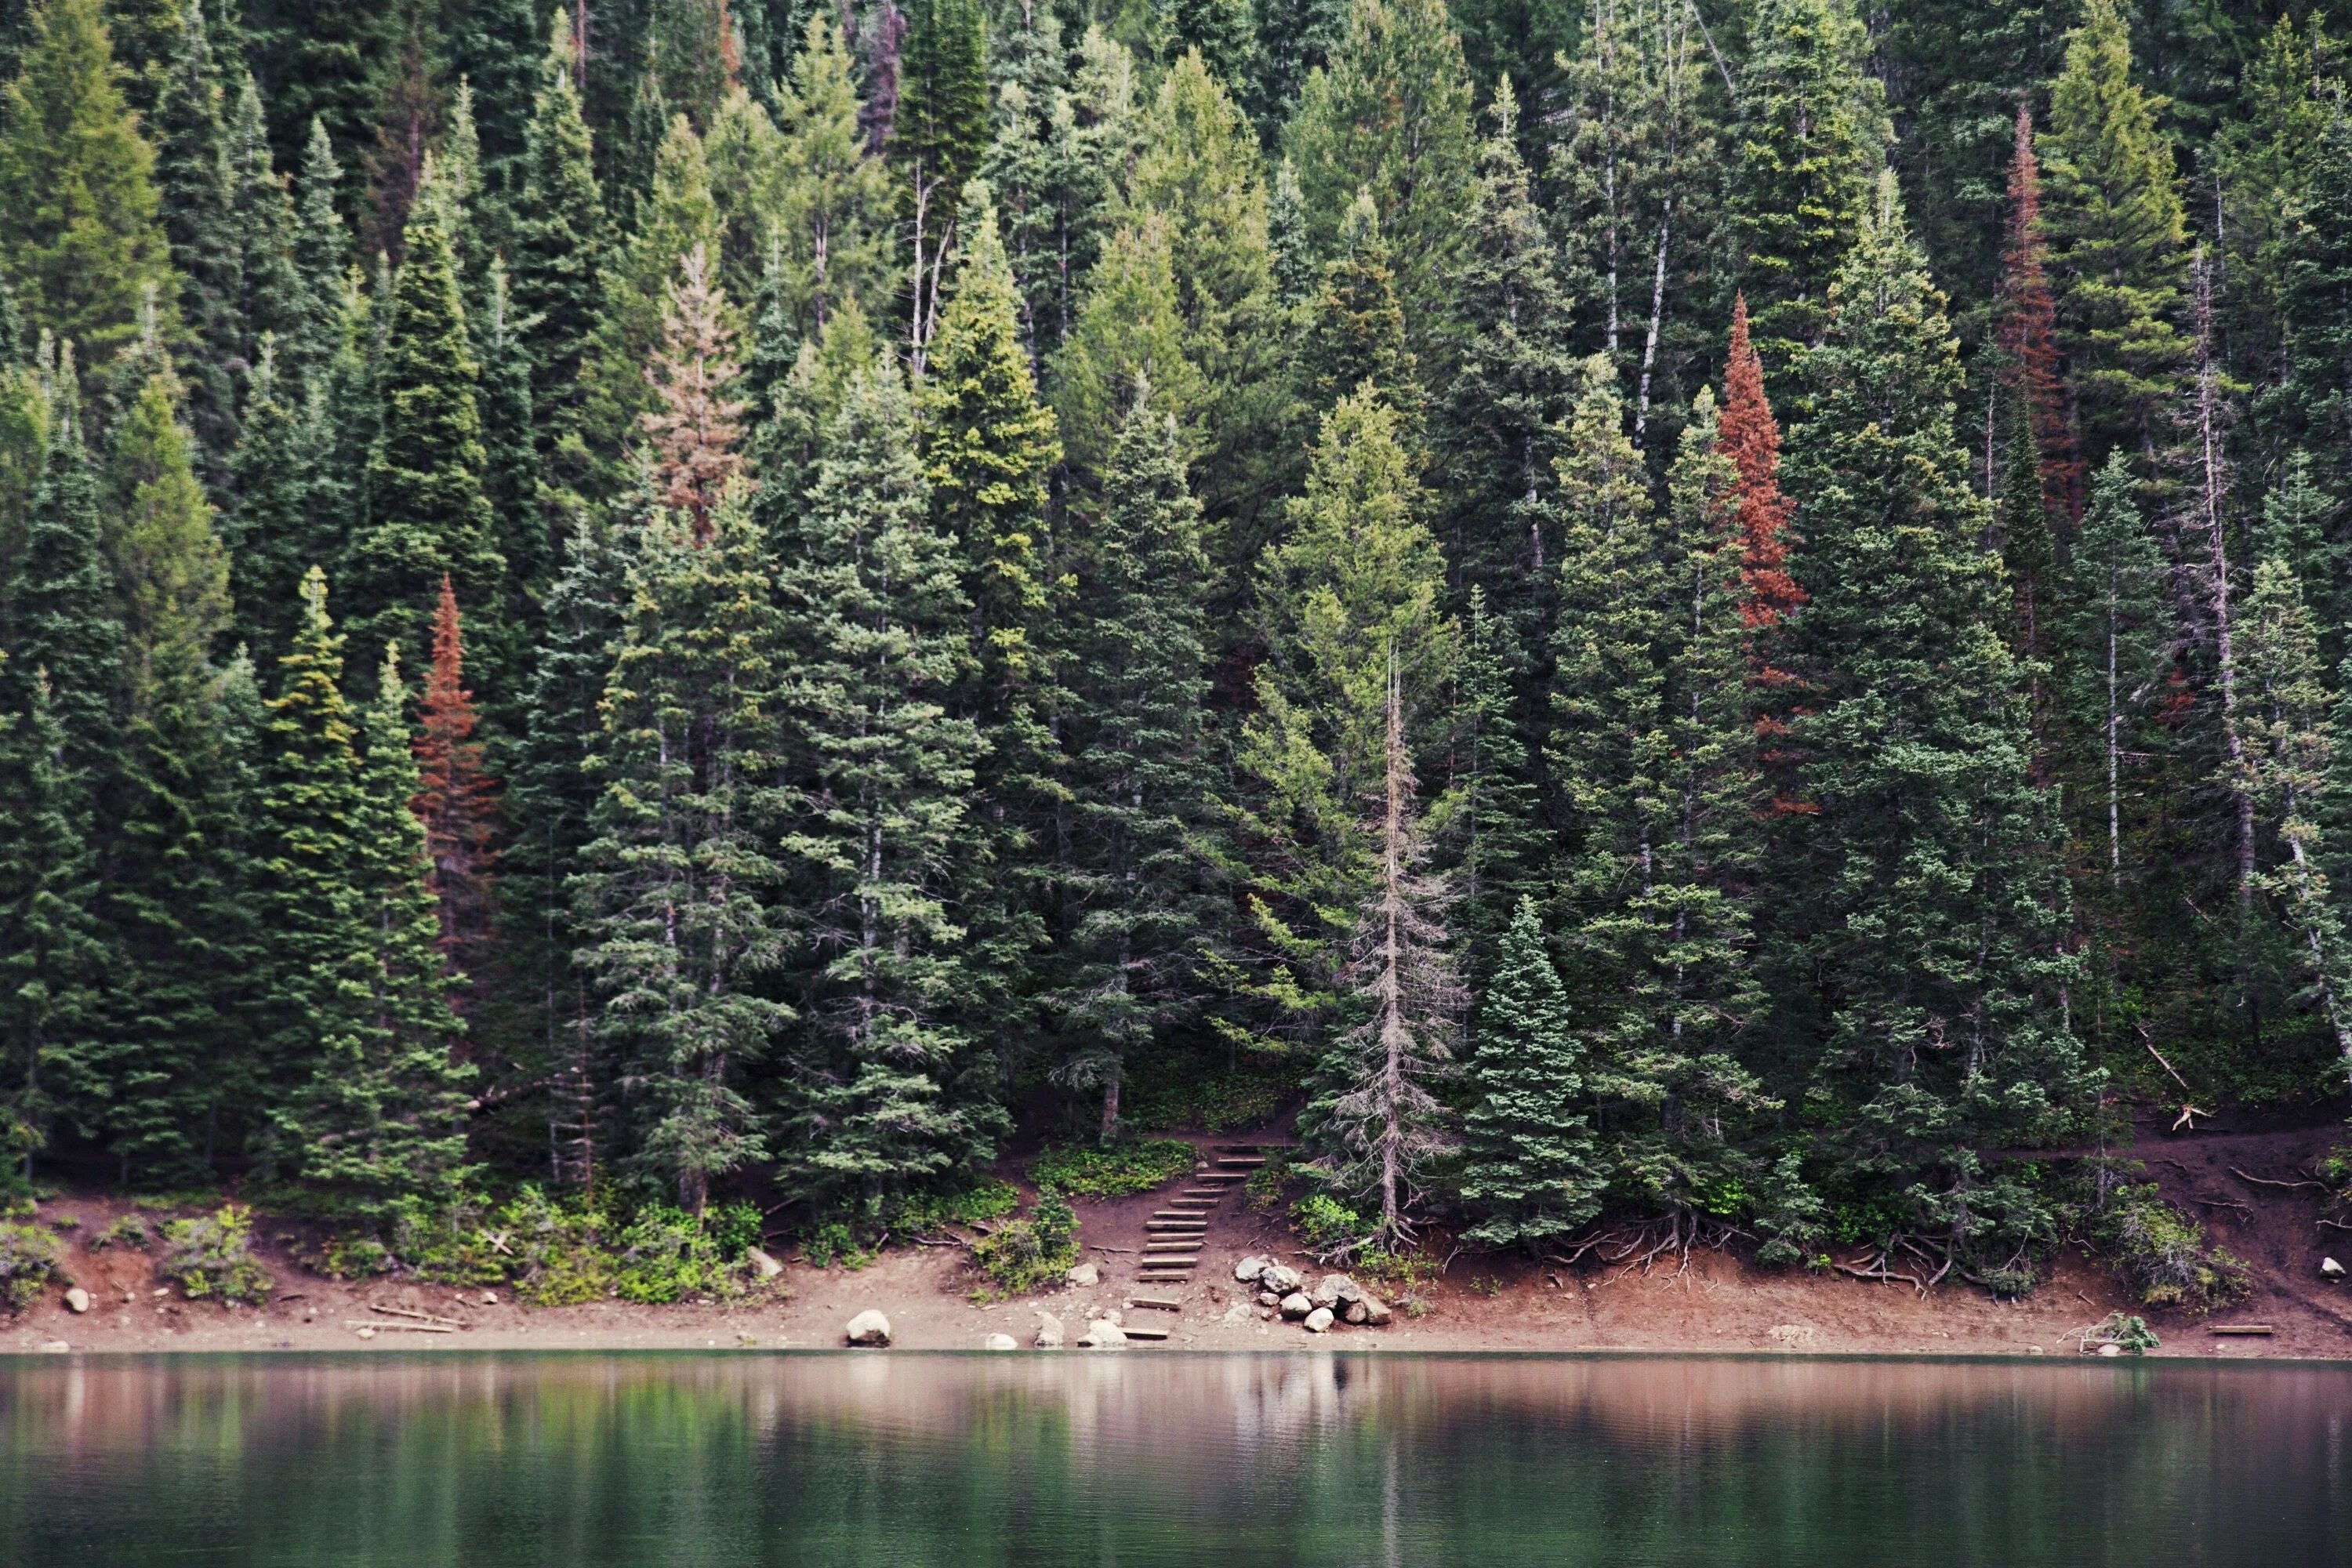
pixel 1164 1303
pixel 1241 1162
pixel 1154 1335
pixel 1153 1247
pixel 1208 1195
pixel 1170 1266
pixel 1190 1228
pixel 2239 1329
pixel 1179 1213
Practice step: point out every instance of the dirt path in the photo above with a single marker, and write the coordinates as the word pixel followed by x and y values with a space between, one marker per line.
pixel 1716 1303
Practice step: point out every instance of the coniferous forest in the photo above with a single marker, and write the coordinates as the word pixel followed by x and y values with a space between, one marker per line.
pixel 1711 611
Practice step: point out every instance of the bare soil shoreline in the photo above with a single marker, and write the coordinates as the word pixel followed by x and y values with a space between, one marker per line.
pixel 1714 1303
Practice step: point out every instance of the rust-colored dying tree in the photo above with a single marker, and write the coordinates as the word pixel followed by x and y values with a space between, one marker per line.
pixel 1747 435
pixel 458 801
pixel 2029 336
pixel 696 431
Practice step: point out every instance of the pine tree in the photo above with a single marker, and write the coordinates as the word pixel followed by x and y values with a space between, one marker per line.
pixel 2117 243
pixel 427 514
pixel 80 227
pixel 63 628
pixel 834 218
pixel 1531 1164
pixel 2117 628
pixel 1130 332
pixel 195 195
pixel 170 573
pixel 559 233
pixel 456 799
pixel 1355 325
pixel 2314 406
pixel 1939 917
pixel 277 531
pixel 938 131
pixel 695 427
pixel 53 954
pixel 323 261
pixel 1378 1126
pixel 887 1092
pixel 1143 782
pixel 1809 141
pixel 2029 346
pixel 1390 115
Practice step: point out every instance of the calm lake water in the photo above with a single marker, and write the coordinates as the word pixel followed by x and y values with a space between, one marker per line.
pixel 1153 1457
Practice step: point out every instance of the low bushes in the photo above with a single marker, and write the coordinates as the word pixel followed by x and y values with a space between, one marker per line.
pixel 1023 1253
pixel 1112 1171
pixel 211 1256
pixel 29 1260
pixel 2162 1254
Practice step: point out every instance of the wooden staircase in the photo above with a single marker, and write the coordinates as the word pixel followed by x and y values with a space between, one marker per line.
pixel 1175 1233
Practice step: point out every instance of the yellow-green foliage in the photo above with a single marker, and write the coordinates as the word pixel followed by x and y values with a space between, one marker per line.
pixel 28 1257
pixel 212 1256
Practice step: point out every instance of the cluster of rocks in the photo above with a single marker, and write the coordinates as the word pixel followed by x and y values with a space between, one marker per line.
pixel 1335 1300
pixel 1104 1330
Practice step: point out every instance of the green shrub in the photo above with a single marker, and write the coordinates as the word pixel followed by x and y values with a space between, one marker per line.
pixel 65 1222
pixel 1326 1224
pixel 1112 1171
pixel 555 1252
pixel 356 1257
pixel 130 1231
pixel 2129 1334
pixel 734 1229
pixel 2161 1252
pixel 1270 1182
pixel 830 1243
pixel 668 1255
pixel 928 1214
pixel 212 1255
pixel 1199 1093
pixel 29 1260
pixel 1023 1253
pixel 448 1242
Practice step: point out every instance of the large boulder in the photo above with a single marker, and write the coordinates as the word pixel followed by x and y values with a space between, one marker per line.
pixel 1102 1334
pixel 1281 1279
pixel 1318 1320
pixel 869 1328
pixel 1334 1290
pixel 1376 1311
pixel 1295 1306
pixel 77 1299
pixel 1251 1268
pixel 999 1342
pixel 1084 1275
pixel 1049 1333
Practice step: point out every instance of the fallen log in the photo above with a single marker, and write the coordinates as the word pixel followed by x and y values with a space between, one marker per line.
pixel 2240 1329
pixel 402 1327
pixel 451 1323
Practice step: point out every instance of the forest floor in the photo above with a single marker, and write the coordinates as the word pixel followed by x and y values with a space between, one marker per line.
pixel 1709 1301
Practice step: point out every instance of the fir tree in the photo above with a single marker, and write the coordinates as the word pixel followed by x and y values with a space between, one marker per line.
pixel 427 514
pixel 509 447
pixel 277 531
pixel 1355 324
pixel 63 628
pixel 456 798
pixel 695 429
pixel 559 233
pixel 322 259
pixel 1938 921
pixel 497 47
pixel 271 296
pixel 1530 1164
pixel 2117 243
pixel 886 1090
pixel 1749 437
pixel 677 885
pixel 52 954
pixel 834 216
pixel 938 131
pixel 2029 346
pixel 170 573
pixel 1811 133
pixel 1143 784
pixel 1129 333
pixel 1390 115
pixel 80 229
pixel 2116 633
pixel 195 195
pixel 2314 406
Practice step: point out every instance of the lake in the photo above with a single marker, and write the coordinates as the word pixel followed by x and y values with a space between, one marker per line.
pixel 1157 1458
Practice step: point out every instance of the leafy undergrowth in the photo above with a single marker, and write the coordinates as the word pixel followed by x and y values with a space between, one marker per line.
pixel 210 1258
pixel 1201 1093
pixel 1114 1171
pixel 29 1260
pixel 2162 1254
pixel 1022 1255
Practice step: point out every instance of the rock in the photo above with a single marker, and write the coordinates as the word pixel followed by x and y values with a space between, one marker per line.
pixel 2330 1270
pixel 489 1298
pixel 2111 1350
pixel 767 1267
pixel 55 1347
pixel 363 1332
pixel 77 1299
pixel 1376 1311
pixel 1239 1313
pixel 1265 1314
pixel 1083 1276
pixel 1049 1333
pixel 1295 1306
pixel 1251 1268
pixel 999 1342
pixel 1318 1320
pixel 869 1328
pixel 2033 1350
pixel 1790 1334
pixel 1334 1288
pixel 1355 1312
pixel 1110 1315
pixel 1280 1279
pixel 1102 1334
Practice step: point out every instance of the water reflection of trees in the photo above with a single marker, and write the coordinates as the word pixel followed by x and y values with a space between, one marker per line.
pixel 917 1459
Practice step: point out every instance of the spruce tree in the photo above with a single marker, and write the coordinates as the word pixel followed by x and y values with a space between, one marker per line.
pixel 456 799
pixel 63 628
pixel 1808 142
pixel 695 429
pixel 278 530
pixel 1130 332
pixel 937 132
pixel 887 1090
pixel 2028 323
pixel 2116 631
pixel 1937 916
pixel 2117 251
pixel 1390 115
pixel 52 954
pixel 80 229
pixel 170 573
pixel 559 232
pixel 195 195
pixel 1530 1162
pixel 835 217
pixel 1143 783
pixel 497 47
pixel 271 298
pixel 510 448
pixel 1355 325
pixel 322 260
pixel 427 514
pixel 2314 406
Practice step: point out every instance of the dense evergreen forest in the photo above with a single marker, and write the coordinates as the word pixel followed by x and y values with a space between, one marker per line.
pixel 1719 609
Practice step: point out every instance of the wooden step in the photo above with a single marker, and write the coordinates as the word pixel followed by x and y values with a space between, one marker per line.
pixel 1173 1245
pixel 1162 1303
pixel 1210 1194
pixel 1241 1162
pixel 1223 1178
pixel 1152 1335
pixel 1179 1213
pixel 1168 1265
pixel 1177 1226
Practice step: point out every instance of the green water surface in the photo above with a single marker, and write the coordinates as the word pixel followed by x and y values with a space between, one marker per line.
pixel 1156 1457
